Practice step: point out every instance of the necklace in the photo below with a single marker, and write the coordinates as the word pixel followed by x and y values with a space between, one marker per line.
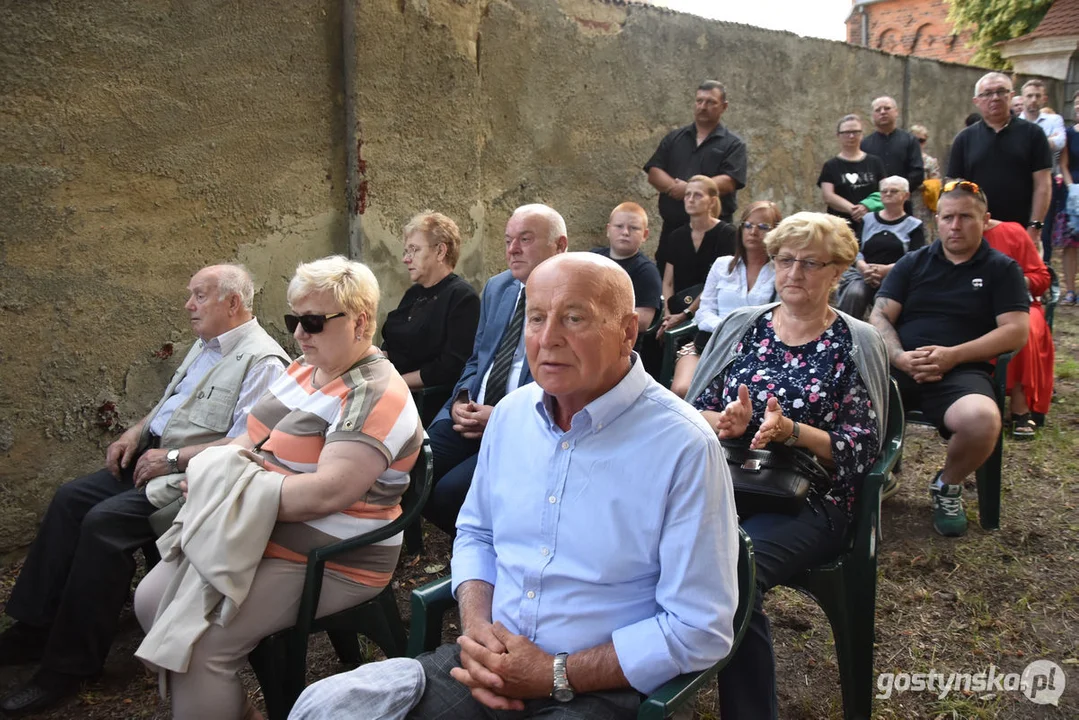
pixel 777 325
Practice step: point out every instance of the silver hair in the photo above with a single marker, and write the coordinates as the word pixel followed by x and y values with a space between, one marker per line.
pixel 235 279
pixel 896 181
pixel 991 76
pixel 554 220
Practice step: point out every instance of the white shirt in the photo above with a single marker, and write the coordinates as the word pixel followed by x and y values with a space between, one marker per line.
pixel 726 291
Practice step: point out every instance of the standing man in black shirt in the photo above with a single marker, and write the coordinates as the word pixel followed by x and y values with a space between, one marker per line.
pixel 898 149
pixel 704 147
pixel 945 312
pixel 1007 156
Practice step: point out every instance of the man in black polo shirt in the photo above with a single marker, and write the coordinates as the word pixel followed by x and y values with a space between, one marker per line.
pixel 1007 156
pixel 704 147
pixel 945 312
pixel 898 149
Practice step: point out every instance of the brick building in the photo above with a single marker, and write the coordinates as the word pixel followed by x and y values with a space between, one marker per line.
pixel 908 27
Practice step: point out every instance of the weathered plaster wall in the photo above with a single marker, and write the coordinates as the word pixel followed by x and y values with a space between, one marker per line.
pixel 139 141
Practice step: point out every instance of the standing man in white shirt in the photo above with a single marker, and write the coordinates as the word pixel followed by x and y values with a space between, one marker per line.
pixel 1034 99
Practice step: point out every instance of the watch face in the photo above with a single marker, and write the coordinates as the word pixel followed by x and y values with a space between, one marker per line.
pixel 562 694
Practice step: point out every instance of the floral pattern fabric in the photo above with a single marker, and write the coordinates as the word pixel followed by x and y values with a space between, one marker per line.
pixel 817 385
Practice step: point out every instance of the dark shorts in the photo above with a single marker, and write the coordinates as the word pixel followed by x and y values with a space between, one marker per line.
pixel 934 399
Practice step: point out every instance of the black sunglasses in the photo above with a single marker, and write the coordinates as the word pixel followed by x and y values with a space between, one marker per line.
pixel 312 324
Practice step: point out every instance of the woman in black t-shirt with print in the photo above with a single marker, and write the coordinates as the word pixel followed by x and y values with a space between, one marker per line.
pixel 850 176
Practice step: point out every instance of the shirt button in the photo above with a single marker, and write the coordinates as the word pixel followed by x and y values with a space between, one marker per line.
pixel 545 552
pixel 552 499
pixel 565 446
pixel 531 594
pixel 600 426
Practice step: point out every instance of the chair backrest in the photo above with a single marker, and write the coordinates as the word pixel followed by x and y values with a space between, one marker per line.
pixel 421 479
pixel 866 531
pixel 747 587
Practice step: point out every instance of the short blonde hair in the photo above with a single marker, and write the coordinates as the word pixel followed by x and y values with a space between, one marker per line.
pixel 353 285
pixel 811 229
pixel 439 229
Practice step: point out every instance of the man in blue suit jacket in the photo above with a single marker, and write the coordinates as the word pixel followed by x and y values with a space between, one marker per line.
pixel 533 234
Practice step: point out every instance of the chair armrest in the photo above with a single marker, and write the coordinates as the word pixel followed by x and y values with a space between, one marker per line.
pixel 684 331
pixel 676 692
pixel 1000 378
pixel 429 605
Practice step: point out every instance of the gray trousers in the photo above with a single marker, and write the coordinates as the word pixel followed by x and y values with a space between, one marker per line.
pixel 422 689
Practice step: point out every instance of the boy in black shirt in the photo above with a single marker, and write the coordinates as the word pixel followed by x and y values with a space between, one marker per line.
pixel 945 312
pixel 627 230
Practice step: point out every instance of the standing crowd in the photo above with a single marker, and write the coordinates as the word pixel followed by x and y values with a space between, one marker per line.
pixel 589 569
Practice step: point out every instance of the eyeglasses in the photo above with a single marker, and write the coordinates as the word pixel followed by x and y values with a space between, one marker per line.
pixel 786 262
pixel 890 191
pixel 763 227
pixel 311 324
pixel 998 93
pixel 962 185
pixel 849 133
pixel 411 250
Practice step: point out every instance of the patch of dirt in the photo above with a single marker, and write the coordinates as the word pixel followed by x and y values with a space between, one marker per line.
pixel 1002 598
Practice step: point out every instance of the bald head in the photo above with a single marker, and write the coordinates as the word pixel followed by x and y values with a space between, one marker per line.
pixel 580 328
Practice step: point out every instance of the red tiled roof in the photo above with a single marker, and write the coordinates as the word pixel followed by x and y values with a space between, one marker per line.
pixel 1062 19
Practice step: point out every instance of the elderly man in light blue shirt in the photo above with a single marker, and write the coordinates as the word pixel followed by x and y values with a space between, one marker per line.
pixel 589 568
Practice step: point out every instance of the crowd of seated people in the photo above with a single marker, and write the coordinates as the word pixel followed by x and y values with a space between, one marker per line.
pixel 575 600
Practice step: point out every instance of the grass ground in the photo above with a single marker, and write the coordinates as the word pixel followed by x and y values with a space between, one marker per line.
pixel 1002 598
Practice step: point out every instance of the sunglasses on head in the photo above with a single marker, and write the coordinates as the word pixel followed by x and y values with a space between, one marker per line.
pixel 311 324
pixel 962 185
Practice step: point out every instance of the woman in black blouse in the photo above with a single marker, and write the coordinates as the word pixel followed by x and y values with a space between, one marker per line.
pixel 428 338
pixel 690 250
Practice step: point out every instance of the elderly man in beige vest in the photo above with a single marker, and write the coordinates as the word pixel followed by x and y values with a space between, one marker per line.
pixel 78 572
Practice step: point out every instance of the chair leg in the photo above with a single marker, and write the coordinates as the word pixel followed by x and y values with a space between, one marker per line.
pixel 989 482
pixel 268 662
pixel 347 646
pixel 414 538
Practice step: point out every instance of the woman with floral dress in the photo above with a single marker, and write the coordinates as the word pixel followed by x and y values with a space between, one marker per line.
pixel 801 373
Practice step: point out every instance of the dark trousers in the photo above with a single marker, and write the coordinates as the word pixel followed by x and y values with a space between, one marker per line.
pixel 854 296
pixel 1056 204
pixel 783 546
pixel 455 462
pixel 78 572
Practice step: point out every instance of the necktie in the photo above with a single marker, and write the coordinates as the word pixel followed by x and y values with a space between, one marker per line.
pixel 500 368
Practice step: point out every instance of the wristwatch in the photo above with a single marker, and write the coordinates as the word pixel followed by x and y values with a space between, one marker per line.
pixel 563 691
pixel 795 429
pixel 172 457
pixel 1036 224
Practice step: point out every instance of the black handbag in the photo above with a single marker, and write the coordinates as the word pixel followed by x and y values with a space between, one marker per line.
pixel 683 298
pixel 774 479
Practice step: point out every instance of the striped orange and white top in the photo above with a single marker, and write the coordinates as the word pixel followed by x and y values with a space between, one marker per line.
pixel 370 404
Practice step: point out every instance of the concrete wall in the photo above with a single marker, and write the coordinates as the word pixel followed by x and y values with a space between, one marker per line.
pixel 140 141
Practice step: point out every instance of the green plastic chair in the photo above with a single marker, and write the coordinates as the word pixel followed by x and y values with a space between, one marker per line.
pixel 673 339
pixel 280 660
pixel 989 474
pixel 846 589
pixel 432 601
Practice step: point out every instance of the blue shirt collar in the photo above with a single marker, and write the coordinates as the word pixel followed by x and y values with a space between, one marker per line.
pixel 603 410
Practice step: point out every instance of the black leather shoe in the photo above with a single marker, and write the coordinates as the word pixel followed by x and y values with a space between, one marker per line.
pixel 34 697
pixel 22 644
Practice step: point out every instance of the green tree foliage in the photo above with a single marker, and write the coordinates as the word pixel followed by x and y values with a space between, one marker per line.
pixel 993 21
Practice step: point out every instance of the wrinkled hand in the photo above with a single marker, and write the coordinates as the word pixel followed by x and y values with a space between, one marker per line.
pixel 678 190
pixel 858 212
pixel 151 464
pixel 501 680
pixel 470 419
pixel 120 451
pixel 734 419
pixel 931 362
pixel 669 322
pixel 772 428
pixel 872 275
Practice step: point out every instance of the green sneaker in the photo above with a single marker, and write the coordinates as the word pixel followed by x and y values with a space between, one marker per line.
pixel 949 518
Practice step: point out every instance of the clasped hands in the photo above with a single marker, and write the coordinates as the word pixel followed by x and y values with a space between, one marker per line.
pixel 150 464
pixel 928 363
pixel 733 420
pixel 470 418
pixel 502 669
